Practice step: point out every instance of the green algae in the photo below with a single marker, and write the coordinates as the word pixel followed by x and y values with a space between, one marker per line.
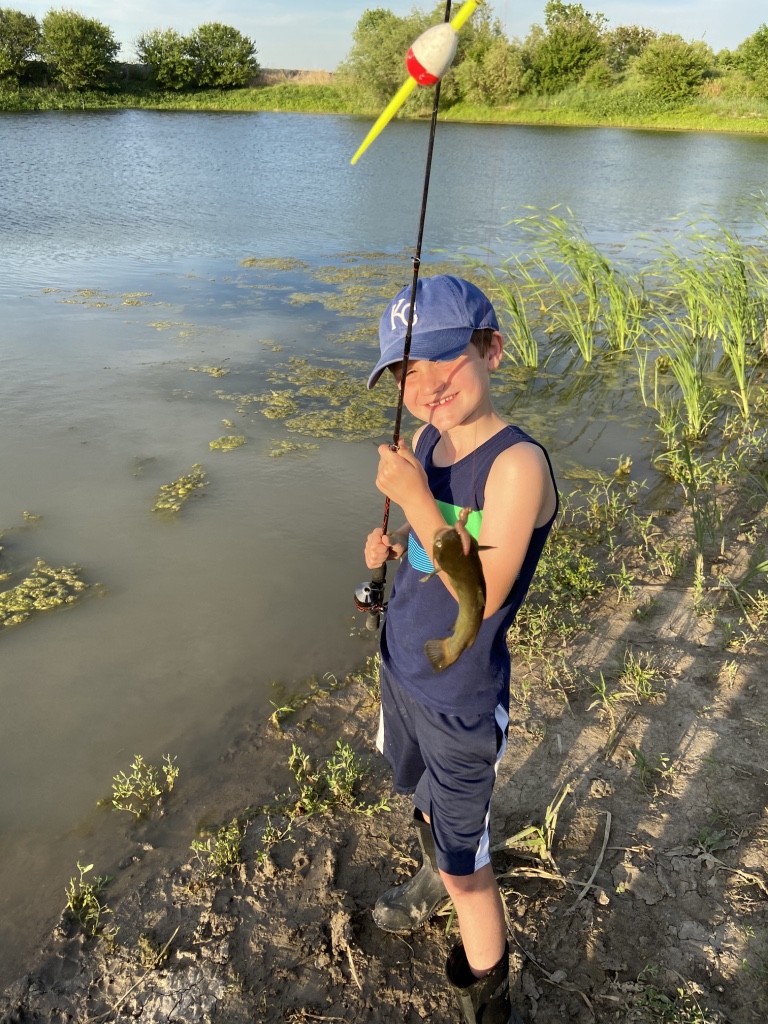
pixel 279 404
pixel 273 263
pixel 167 325
pixel 44 588
pixel 284 447
pixel 172 496
pixel 227 443
pixel 329 399
pixel 212 371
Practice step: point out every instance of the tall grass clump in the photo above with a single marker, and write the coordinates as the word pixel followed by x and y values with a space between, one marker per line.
pixel 511 288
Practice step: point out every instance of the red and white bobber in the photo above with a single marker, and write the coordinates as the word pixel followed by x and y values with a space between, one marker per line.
pixel 428 60
pixel 432 54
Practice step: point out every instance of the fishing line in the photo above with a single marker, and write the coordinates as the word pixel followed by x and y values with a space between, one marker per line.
pixel 375 598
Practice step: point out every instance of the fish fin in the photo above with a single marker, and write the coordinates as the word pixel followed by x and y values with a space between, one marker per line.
pixel 435 572
pixel 486 547
pixel 436 651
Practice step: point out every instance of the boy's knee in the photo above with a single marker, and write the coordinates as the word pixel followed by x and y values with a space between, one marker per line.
pixel 465 885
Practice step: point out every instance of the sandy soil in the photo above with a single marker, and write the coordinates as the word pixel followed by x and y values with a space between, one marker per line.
pixel 672 927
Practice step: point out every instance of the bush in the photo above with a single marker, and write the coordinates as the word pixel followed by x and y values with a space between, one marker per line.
pixel 598 76
pixel 19 40
pixel 752 59
pixel 572 42
pixel 381 41
pixel 673 69
pixel 223 58
pixel 80 51
pixel 626 42
pixel 494 77
pixel 165 52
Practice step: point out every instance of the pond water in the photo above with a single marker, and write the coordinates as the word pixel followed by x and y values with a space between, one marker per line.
pixel 121 241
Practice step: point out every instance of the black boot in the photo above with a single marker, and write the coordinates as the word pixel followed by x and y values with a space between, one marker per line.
pixel 408 906
pixel 482 1000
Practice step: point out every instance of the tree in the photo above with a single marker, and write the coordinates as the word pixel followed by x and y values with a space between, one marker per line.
pixel 80 51
pixel 495 77
pixel 19 40
pixel 674 69
pixel 380 42
pixel 222 57
pixel 166 53
pixel 625 42
pixel 752 59
pixel 572 42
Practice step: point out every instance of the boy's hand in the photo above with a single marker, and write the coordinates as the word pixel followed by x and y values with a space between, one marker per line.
pixel 401 476
pixel 380 549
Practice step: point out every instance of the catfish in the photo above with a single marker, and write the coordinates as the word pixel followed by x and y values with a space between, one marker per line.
pixel 456 553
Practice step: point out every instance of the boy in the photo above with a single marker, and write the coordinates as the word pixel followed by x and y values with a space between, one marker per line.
pixel 444 733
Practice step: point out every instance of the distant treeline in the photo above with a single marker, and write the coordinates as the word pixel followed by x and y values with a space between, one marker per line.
pixel 575 68
pixel 70 50
pixel 574 49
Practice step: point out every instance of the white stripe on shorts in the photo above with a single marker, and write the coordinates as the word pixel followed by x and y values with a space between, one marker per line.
pixel 483 855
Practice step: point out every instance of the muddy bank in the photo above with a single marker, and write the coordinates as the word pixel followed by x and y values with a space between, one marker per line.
pixel 641 897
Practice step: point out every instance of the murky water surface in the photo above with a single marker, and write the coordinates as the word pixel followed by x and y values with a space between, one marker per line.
pixel 121 241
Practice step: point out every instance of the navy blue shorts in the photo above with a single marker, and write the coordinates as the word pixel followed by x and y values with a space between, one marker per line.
pixel 449 764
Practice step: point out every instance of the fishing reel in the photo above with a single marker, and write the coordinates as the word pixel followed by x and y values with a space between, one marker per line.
pixel 369 598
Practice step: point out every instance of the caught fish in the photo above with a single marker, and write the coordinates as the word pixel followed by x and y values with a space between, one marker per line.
pixel 456 553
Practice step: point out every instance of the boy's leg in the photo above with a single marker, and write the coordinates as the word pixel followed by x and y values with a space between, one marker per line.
pixel 481 917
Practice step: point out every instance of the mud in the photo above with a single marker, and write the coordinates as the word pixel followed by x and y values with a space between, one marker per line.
pixel 647 904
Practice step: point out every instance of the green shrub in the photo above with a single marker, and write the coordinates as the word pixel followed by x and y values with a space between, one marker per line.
pixel 79 51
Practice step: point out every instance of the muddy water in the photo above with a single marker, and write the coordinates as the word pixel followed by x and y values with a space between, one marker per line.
pixel 119 249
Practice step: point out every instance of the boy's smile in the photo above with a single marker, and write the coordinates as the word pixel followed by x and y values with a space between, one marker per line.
pixel 450 393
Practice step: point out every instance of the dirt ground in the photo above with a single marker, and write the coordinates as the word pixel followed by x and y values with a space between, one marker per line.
pixel 649 907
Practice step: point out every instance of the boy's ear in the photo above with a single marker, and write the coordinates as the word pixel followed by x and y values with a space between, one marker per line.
pixel 496 350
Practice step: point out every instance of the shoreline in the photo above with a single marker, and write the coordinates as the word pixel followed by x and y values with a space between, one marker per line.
pixel 329 99
pixel 644 898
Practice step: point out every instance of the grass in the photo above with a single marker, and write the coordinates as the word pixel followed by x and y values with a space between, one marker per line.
pixel 616 107
pixel 538 841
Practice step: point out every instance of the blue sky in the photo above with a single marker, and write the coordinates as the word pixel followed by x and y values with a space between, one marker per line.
pixel 313 34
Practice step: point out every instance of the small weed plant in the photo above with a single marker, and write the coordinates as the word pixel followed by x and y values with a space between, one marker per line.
pixel 83 899
pixel 219 853
pixel 271 836
pixel 654 1007
pixel 654 770
pixel 135 791
pixel 330 785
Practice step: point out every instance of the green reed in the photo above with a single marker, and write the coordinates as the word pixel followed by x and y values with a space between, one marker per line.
pixel 509 286
pixel 576 287
pixel 623 309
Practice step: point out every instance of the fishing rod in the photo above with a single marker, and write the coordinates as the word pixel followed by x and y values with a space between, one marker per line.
pixel 427 61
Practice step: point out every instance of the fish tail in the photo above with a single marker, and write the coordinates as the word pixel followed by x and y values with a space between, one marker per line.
pixel 439 653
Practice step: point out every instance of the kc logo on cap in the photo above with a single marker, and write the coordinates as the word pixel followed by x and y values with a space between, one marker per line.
pixel 399 311
pixel 450 309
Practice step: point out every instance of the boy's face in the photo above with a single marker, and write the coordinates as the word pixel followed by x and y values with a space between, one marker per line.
pixel 447 394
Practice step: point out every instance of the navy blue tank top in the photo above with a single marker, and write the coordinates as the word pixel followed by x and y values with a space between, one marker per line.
pixel 420 611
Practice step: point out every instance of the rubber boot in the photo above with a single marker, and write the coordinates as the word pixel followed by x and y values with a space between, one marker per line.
pixel 408 906
pixel 482 1000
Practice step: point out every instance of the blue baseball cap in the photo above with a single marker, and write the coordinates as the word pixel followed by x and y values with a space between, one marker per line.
pixel 447 311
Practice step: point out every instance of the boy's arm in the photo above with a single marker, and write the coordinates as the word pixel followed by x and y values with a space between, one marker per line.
pixel 380 549
pixel 402 477
pixel 519 496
